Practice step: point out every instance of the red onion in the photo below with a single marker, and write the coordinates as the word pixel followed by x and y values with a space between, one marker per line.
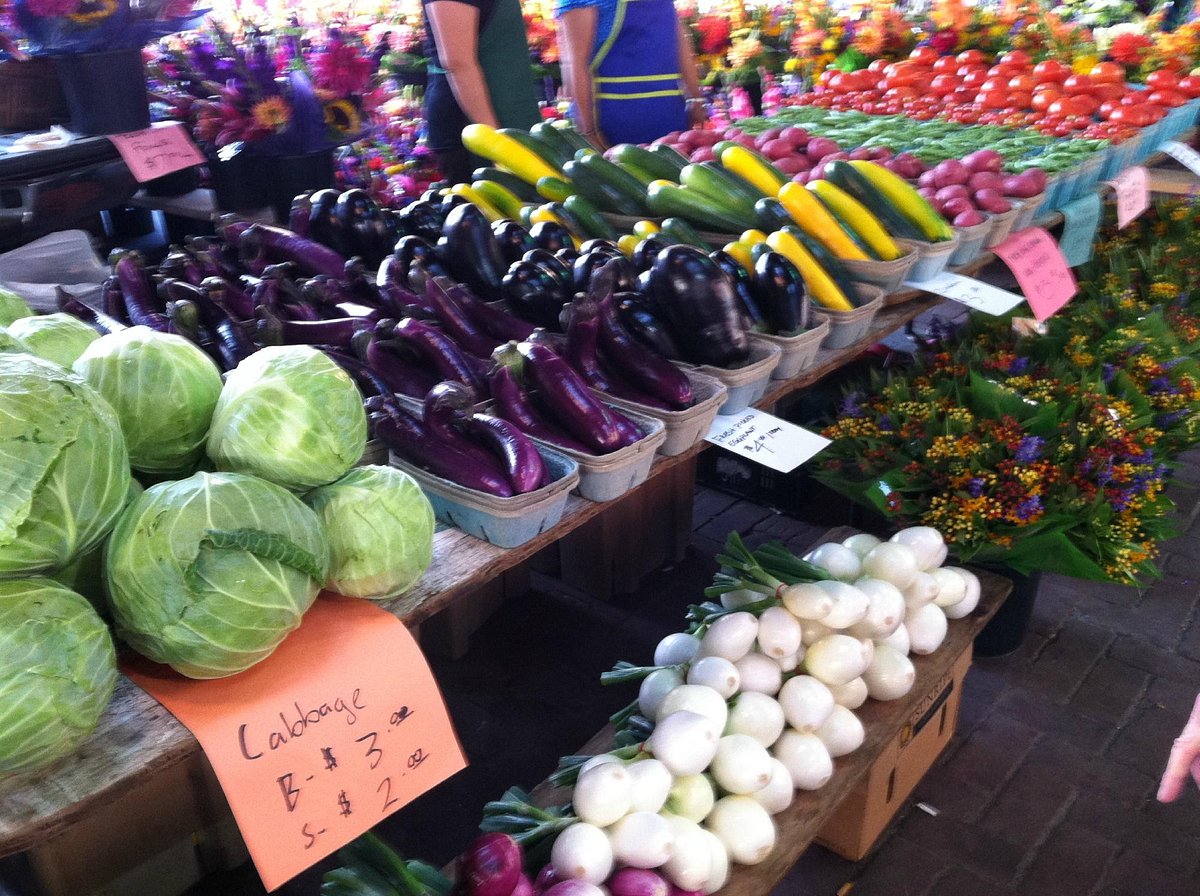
pixel 637 882
pixel 491 866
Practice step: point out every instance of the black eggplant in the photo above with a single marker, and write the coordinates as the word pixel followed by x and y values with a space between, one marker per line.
pixel 645 325
pixel 624 276
pixel 550 235
pixel 647 250
pixel 699 301
pixel 567 255
pixel 780 289
pixel 412 262
pixel 554 265
pixel 514 239
pixel 324 226
pixel 598 243
pixel 423 219
pixel 364 225
pixel 470 251
pixel 534 294
pixel 743 287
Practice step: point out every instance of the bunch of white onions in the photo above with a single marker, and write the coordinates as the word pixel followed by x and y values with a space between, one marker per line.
pixel 757 707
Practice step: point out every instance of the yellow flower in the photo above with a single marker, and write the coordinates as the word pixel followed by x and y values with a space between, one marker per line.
pixel 341 116
pixel 792 65
pixel 273 113
pixel 94 11
pixel 1083 64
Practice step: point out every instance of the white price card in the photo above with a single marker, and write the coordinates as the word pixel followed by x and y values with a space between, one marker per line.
pixel 1133 194
pixel 1183 154
pixel 765 439
pixel 971 292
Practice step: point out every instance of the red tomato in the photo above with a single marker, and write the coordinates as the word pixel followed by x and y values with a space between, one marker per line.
pixel 1077 84
pixel 1168 98
pixel 1051 70
pixel 1107 108
pixel 1020 99
pixel 878 65
pixel 925 55
pixel 1162 80
pixel 1071 106
pixel 970 57
pixel 1018 58
pixel 1105 92
pixel 1022 83
pixel 944 84
pixel 1108 73
pixel 1135 98
pixel 1153 112
pixel 900 93
pixel 1041 101
pixel 994 84
pixel 993 99
pixel 1004 71
pixel 974 78
pixel 1085 105
pixel 1190 85
pixel 944 64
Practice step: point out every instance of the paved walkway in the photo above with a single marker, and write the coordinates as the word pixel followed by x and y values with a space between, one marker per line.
pixel 1047 789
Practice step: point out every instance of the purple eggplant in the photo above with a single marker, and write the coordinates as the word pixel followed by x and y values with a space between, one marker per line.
pixel 534 294
pixel 568 398
pixel 443 408
pixel 274 330
pixel 645 325
pixel 229 340
pixel 439 351
pixel 753 313
pixel 324 226
pixel 112 301
pixel 589 263
pixel 137 289
pixel 514 240
pixel 494 320
pixel 363 225
pixel 550 235
pixel 699 301
pixel 275 244
pixel 470 251
pixel 408 437
pixel 299 214
pixel 232 298
pixel 411 263
pixel 513 403
pixel 369 382
pixel 68 304
pixel 647 370
pixel 402 374
pixel 455 320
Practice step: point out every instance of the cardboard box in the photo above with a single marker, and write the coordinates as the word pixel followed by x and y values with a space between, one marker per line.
pixel 870 807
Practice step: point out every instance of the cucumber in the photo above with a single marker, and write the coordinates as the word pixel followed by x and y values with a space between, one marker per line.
pixel 827 260
pixel 842 174
pixel 572 136
pixel 589 218
pixel 680 231
pixel 709 179
pixel 656 165
pixel 523 191
pixel 554 188
pixel 668 156
pixel 541 149
pixel 674 201
pixel 553 138
pixel 617 178
pixel 771 214
pixel 598 191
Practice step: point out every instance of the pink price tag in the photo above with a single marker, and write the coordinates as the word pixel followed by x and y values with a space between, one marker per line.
pixel 1040 268
pixel 157 150
pixel 1133 194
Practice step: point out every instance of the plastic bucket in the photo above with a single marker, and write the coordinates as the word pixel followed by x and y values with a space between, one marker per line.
pixel 684 428
pixel 797 352
pixel 105 92
pixel 887 275
pixel 1002 226
pixel 1027 210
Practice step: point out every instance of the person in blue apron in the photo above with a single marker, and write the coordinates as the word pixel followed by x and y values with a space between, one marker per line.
pixel 479 71
pixel 628 69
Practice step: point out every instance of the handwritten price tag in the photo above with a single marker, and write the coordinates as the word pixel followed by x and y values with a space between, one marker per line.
pixel 1040 269
pixel 1133 194
pixel 973 293
pixel 336 730
pixel 765 439
pixel 156 151
pixel 1183 154
pixel 1081 221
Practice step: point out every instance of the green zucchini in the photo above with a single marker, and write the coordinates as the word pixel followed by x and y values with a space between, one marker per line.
pixel 554 188
pixel 669 156
pixel 572 136
pixel 771 214
pixel 634 157
pixel 589 217
pixel 680 231
pixel 617 178
pixel 598 191
pixel 523 191
pixel 717 184
pixel 826 259
pixel 842 174
pixel 554 138
pixel 673 200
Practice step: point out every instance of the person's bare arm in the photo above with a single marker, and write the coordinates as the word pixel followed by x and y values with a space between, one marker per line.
pixel 455 28
pixel 697 114
pixel 576 34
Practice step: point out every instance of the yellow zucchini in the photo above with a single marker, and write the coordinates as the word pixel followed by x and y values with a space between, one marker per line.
pixel 507 153
pixel 857 217
pixel 811 216
pixel 906 200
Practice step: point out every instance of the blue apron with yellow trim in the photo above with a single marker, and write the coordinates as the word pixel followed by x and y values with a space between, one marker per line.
pixel 636 74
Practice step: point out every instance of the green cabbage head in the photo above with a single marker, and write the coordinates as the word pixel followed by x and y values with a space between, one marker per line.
pixel 60 338
pixel 57 672
pixel 12 307
pixel 163 388
pixel 380 529
pixel 208 574
pixel 64 470
pixel 10 343
pixel 290 415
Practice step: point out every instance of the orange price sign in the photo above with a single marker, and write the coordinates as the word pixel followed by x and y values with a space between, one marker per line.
pixel 1041 270
pixel 315 745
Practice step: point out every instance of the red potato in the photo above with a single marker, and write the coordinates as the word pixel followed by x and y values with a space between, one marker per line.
pixel 912 166
pixel 768 135
pixel 797 136
pixel 949 172
pixel 792 165
pixel 990 200
pixel 745 140
pixel 702 154
pixel 954 191
pixel 777 149
pixel 952 208
pixel 986 180
pixel 1022 187
pixel 968 218
pixel 820 147
pixel 927 193
pixel 803 177
pixel 880 154
pixel 984 160
pixel 927 179
pixel 861 154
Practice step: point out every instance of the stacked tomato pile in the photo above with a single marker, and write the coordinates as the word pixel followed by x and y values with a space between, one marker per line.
pixel 1013 91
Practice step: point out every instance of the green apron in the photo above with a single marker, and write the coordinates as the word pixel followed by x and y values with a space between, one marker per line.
pixel 504 58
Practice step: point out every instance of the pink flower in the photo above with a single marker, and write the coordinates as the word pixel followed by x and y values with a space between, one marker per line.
pixel 51 8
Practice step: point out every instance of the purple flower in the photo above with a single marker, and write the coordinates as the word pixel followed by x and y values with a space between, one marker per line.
pixel 886 424
pixel 975 487
pixel 1029 450
pixel 1108 372
pixel 1018 366
pixel 1166 421
pixel 850 406
pixel 1029 508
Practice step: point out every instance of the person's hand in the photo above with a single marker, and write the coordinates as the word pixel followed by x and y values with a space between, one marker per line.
pixel 1184 759
pixel 697 114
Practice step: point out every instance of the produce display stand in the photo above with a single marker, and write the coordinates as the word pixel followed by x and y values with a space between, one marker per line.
pixel 802 823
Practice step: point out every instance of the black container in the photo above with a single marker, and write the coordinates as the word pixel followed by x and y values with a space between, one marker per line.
pixel 1005 631
pixel 177 183
pixel 288 176
pixel 238 182
pixel 105 92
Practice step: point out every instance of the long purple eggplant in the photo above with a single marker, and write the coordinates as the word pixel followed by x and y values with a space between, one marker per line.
pixel 519 457
pixel 443 411
pixel 568 398
pixel 369 382
pixel 111 300
pixel 68 304
pixel 232 298
pixel 228 340
pixel 298 214
pixel 512 402
pixel 439 350
pixel 275 330
pixel 494 320
pixel 263 241
pixel 457 323
pixel 408 437
pixel 137 289
pixel 402 376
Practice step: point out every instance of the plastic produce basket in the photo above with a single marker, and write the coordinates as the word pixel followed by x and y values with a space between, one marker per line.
pixel 1002 226
pixel 505 522
pixel 848 327
pixel 687 427
pixel 887 275
pixel 605 477
pixel 1027 210
pixel 799 351
pixel 970 242
pixel 745 384
pixel 932 259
